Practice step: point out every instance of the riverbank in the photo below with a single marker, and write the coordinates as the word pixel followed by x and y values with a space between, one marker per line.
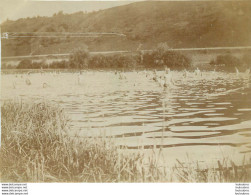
pixel 128 61
pixel 36 148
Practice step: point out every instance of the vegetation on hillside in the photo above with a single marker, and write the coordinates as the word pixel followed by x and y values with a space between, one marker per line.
pixel 180 24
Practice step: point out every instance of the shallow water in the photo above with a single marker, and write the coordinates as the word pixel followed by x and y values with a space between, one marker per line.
pixel 207 117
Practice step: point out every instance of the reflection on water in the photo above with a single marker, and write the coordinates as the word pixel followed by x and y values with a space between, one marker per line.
pixel 212 110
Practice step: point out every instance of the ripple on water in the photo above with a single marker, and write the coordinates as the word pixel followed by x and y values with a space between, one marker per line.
pixel 204 112
pixel 244 109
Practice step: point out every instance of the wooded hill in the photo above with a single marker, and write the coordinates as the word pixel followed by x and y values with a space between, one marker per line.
pixel 179 24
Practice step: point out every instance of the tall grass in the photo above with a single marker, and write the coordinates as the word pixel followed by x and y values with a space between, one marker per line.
pixel 36 147
pixel 224 171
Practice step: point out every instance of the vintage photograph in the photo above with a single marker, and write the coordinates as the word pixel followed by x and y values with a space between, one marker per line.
pixel 125 91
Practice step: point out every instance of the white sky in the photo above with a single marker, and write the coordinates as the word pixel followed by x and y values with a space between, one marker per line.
pixel 15 9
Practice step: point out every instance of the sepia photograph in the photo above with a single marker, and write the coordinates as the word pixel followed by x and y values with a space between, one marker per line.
pixel 125 91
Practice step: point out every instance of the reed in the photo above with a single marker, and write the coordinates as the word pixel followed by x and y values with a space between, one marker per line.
pixel 36 147
pixel 225 170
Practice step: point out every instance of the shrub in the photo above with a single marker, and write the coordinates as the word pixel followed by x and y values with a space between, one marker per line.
pixel 100 61
pixel 246 58
pixel 163 56
pixel 126 61
pixel 113 61
pixel 59 64
pixel 6 66
pixel 227 62
pixel 24 64
pixel 79 59
pixel 28 64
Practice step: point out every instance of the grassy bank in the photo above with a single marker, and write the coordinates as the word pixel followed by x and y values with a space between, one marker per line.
pixel 36 148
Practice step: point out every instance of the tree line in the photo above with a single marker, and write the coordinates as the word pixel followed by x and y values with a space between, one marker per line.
pixel 81 59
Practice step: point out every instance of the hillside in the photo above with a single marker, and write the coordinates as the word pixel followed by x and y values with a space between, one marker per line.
pixel 180 24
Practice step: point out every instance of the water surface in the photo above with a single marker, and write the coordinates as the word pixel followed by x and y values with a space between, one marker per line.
pixel 205 117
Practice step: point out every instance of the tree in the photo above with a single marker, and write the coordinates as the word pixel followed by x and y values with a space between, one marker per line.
pixel 79 59
pixel 24 64
pixel 164 56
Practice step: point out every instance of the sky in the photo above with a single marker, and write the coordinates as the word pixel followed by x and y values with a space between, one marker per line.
pixel 15 9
